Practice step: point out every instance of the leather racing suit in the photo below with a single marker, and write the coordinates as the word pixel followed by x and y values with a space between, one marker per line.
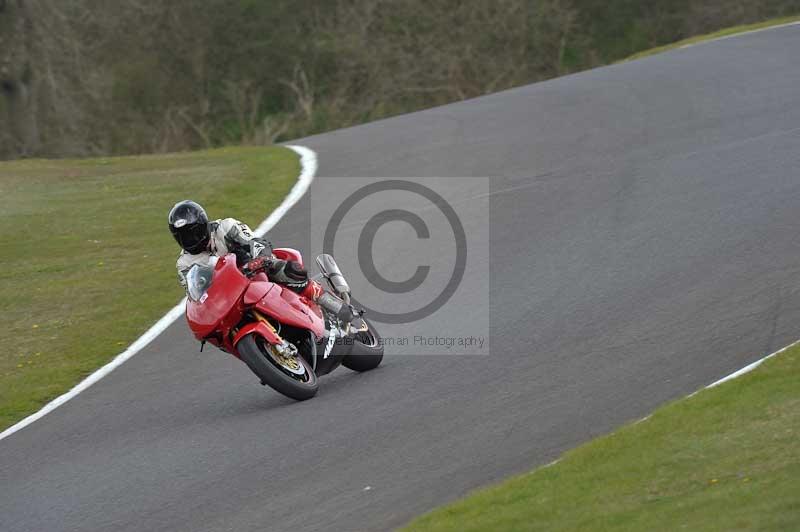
pixel 229 235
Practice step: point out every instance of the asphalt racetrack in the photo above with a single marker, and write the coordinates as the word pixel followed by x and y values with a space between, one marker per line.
pixel 642 240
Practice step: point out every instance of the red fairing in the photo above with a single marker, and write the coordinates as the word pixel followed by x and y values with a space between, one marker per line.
pixel 223 315
pixel 222 304
pixel 256 291
pixel 291 309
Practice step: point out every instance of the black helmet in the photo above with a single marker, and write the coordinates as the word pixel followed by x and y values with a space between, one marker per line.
pixel 188 223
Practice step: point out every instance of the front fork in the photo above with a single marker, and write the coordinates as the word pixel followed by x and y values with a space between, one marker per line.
pixel 283 347
pixel 263 327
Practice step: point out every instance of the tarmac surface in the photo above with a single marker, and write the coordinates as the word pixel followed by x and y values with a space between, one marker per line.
pixel 633 235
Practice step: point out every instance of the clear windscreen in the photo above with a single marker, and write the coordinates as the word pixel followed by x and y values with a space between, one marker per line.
pixel 198 280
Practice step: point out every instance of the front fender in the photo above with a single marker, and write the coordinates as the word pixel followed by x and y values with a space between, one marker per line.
pixel 260 328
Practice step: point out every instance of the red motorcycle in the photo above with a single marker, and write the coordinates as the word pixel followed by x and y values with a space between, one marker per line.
pixel 286 339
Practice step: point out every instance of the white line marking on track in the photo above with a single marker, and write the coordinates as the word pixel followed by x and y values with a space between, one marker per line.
pixel 747 369
pixel 308 169
pixel 750 367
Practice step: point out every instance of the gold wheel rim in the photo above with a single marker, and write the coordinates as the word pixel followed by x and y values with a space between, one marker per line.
pixel 289 363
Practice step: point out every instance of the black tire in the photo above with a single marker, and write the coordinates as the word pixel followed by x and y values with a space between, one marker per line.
pixel 253 353
pixel 367 351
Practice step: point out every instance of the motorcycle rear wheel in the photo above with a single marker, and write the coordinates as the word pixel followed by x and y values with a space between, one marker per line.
pixel 367 351
pixel 256 353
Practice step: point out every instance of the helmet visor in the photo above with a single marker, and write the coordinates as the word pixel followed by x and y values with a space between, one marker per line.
pixel 192 237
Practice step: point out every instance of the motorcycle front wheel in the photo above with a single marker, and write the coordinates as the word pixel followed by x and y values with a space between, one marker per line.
pixel 291 376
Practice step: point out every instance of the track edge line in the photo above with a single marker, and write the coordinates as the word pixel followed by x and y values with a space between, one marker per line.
pixel 750 367
pixel 308 169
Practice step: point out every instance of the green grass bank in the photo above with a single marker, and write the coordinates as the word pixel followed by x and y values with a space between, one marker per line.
pixel 725 459
pixel 88 261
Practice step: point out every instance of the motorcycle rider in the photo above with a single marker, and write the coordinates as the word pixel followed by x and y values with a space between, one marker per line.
pixel 201 239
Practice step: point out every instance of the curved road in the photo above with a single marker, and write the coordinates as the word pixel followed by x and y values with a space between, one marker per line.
pixel 645 235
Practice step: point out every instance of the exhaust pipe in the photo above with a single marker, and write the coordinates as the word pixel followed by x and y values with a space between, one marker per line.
pixel 333 274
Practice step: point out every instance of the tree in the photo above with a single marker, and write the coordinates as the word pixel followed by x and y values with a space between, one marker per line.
pixel 17 84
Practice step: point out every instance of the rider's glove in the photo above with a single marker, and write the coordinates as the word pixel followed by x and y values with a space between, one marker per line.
pixel 256 264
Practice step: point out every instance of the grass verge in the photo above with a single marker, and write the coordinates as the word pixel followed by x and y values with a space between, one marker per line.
pixel 724 459
pixel 711 36
pixel 88 261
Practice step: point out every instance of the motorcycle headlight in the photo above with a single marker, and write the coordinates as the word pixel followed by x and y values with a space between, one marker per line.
pixel 198 281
